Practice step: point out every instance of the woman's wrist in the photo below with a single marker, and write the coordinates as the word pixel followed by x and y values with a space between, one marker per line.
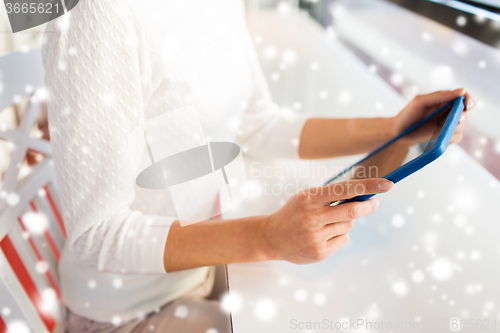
pixel 398 127
pixel 383 130
pixel 263 241
pixel 394 127
pixel 329 137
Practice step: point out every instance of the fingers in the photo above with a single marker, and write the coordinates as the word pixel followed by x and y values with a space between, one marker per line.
pixel 439 97
pixel 470 102
pixel 338 228
pixel 462 123
pixel 336 243
pixel 348 189
pixel 458 134
pixel 350 211
pixel 336 235
pixel 463 119
pixel 329 247
pixel 456 138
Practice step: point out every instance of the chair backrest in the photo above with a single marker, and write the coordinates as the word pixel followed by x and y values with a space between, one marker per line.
pixel 32 231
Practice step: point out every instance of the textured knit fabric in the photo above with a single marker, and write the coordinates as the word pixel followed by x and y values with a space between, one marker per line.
pixel 110 66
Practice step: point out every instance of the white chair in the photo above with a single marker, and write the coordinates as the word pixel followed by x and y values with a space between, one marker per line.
pixel 32 231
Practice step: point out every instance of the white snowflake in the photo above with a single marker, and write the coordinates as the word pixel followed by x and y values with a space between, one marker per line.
pixel 12 199
pixel 18 326
pixel 400 288
pixel 41 267
pixel 117 283
pixel 319 299
pixel 5 312
pixel 300 295
pixel 418 276
pixel 265 309
pixel 181 311
pixel 442 269
pixel 289 56
pixel 232 302
pixel 398 221
pixel 116 320
pixel 426 36
pixel 475 255
pixel 461 21
pixel 345 97
pixel 36 223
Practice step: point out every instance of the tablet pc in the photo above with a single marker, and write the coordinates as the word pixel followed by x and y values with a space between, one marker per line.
pixel 410 151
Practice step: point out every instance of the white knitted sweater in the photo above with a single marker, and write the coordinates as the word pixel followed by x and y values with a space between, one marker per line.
pixel 110 66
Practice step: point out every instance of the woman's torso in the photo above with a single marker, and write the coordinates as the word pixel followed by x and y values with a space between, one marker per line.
pixel 192 51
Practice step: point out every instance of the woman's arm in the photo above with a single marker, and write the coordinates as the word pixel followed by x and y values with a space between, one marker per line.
pixel 325 138
pixel 305 230
pixel 330 137
pixel 215 242
pixel 95 101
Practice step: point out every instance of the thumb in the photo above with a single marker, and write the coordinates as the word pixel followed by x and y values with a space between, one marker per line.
pixel 439 97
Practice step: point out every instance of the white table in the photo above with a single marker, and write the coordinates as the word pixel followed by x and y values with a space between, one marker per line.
pixel 431 251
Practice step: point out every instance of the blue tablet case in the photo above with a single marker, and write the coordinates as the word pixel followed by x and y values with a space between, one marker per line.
pixel 442 142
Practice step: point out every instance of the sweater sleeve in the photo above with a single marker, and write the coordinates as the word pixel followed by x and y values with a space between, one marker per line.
pixel 95 81
pixel 267 130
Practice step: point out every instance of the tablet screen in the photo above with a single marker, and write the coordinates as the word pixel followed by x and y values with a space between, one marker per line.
pixel 396 154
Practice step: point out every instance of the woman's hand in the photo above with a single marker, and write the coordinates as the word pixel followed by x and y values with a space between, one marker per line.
pixel 423 105
pixel 306 229
pixel 330 137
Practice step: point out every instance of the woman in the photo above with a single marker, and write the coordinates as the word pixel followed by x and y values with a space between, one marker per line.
pixel 111 65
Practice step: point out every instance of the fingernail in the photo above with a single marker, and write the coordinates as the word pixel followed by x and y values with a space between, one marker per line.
pixel 470 105
pixel 462 118
pixel 385 186
pixel 377 203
